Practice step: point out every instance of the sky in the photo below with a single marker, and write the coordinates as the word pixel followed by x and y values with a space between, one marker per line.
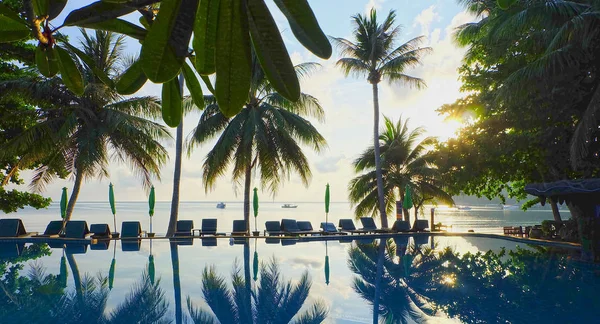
pixel 347 103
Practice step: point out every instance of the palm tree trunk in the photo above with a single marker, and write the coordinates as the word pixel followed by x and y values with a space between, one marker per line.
pixel 176 283
pixel 380 193
pixel 74 195
pixel 555 211
pixel 176 173
pixel 247 183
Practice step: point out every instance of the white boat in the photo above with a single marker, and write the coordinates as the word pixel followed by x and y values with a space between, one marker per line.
pixel 221 205
pixel 463 207
pixel 289 206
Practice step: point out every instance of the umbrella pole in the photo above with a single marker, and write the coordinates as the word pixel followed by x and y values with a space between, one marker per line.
pixel 115 222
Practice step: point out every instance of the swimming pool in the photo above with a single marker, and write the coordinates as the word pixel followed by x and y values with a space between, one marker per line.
pixel 406 279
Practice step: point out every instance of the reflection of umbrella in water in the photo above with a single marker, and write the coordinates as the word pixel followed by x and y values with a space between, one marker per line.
pixel 255 263
pixel 111 271
pixel 62 276
pixel 255 205
pixel 151 270
pixel 111 200
pixel 326 265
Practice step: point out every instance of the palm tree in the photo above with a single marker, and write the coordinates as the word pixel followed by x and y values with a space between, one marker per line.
pixel 274 301
pixel 405 162
pixel 373 54
pixel 267 133
pixel 81 134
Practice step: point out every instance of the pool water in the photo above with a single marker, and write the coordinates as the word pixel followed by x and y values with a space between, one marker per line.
pixel 405 279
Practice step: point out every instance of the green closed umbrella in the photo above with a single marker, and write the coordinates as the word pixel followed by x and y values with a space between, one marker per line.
pixel 111 200
pixel 151 202
pixel 326 264
pixel 407 203
pixel 327 198
pixel 63 205
pixel 255 205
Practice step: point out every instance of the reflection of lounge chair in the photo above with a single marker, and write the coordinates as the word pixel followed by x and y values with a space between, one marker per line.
pixel 100 244
pixel 420 225
pixel 330 229
pixel 13 227
pixel 273 228
pixel 184 228
pixel 132 244
pixel 100 231
pixel 288 241
pixel 401 226
pixel 369 225
pixel 52 230
pixel 239 228
pixel 131 230
pixel 76 230
pixel 209 227
pixel 306 228
pixel 421 239
pixel 75 248
pixel 347 225
pixel 209 241
pixel 11 250
pixel 401 241
pixel 290 226
pixel 272 240
pixel 182 240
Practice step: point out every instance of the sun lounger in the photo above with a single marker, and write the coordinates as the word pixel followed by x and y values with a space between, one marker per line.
pixel 131 230
pixel 13 227
pixel 209 227
pixel 369 225
pixel 306 228
pixel 52 230
pixel 420 225
pixel 273 228
pixel 184 228
pixel 100 231
pixel 76 230
pixel 347 225
pixel 290 227
pixel 330 229
pixel 401 226
pixel 131 244
pixel 239 227
pixel 513 230
pixel 11 250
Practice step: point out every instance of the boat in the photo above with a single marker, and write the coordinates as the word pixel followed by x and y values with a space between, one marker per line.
pixel 463 208
pixel 221 205
pixel 289 206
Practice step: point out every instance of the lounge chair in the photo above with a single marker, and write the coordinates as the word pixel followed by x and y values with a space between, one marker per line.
pixel 273 228
pixel 131 244
pixel 290 227
pixel 369 225
pixel 239 228
pixel 209 227
pixel 330 229
pixel 401 226
pixel 347 225
pixel 513 230
pixel 77 230
pixel 420 225
pixel 131 230
pixel 52 230
pixel 306 228
pixel 100 231
pixel 184 228
pixel 13 227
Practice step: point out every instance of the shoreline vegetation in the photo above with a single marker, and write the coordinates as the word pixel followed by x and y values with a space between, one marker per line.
pixel 530 84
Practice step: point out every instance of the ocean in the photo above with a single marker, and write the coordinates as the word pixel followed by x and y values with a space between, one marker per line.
pixel 479 219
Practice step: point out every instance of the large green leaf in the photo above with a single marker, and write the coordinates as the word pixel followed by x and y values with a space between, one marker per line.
pixel 92 64
pixel 132 80
pixel 46 61
pixel 40 7
pixel 271 51
pixel 172 103
pixel 6 11
pixel 96 12
pixel 233 62
pixel 205 36
pixel 305 26
pixel 193 85
pixel 119 26
pixel 69 72
pixel 12 30
pixel 166 45
pixel 56 7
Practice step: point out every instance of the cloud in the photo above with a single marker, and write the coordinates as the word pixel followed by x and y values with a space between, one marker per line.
pixel 373 4
pixel 307 262
pixel 330 164
pixel 425 18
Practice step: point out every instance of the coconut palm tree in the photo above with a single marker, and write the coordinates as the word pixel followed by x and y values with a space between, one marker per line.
pixel 404 162
pixel 274 301
pixel 267 134
pixel 373 55
pixel 81 134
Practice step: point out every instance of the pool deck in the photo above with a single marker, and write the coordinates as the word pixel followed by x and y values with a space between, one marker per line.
pixel 308 238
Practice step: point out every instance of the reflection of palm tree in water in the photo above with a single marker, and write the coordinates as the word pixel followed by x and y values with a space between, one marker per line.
pixel 382 280
pixel 272 301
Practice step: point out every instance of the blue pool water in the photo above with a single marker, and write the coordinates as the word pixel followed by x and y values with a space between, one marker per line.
pixel 404 279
